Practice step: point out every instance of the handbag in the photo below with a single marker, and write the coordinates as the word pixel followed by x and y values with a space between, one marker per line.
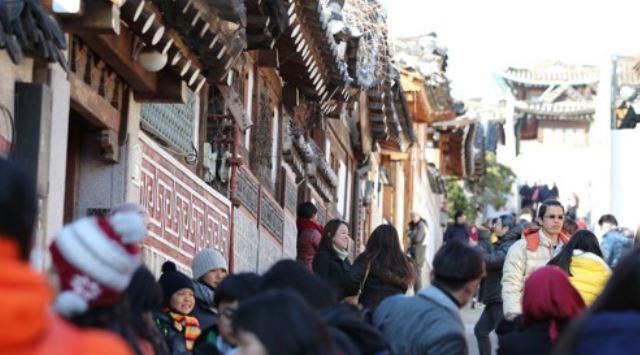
pixel 355 299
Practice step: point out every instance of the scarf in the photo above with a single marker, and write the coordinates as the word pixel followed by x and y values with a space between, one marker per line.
pixel 342 253
pixel 304 223
pixel 549 297
pixel 189 325
pixel 203 293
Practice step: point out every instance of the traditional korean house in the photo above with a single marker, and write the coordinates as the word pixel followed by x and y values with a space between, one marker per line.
pixel 553 111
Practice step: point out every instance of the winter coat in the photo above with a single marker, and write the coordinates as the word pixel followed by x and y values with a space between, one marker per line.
pixel 427 323
pixel 494 257
pixel 530 340
pixel 328 265
pixel 418 232
pixel 614 244
pixel 203 309
pixel 589 275
pixel 173 338
pixel 309 236
pixel 611 333
pixel 521 261
pixel 456 231
pixel 376 287
pixel 29 327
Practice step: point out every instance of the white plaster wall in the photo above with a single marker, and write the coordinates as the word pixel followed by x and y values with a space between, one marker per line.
pixel 10 74
pixel 625 177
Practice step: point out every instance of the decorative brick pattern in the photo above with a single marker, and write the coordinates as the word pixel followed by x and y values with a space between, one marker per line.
pixel 271 216
pixel 248 190
pixel 245 249
pixel 186 214
pixel 289 249
pixel 270 252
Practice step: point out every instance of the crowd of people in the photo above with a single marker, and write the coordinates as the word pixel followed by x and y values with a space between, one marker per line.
pixel 544 290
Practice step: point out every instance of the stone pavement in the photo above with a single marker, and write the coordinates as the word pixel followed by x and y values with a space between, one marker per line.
pixel 470 317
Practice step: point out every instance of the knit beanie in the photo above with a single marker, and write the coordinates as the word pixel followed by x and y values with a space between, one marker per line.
pixel 95 259
pixel 172 281
pixel 207 260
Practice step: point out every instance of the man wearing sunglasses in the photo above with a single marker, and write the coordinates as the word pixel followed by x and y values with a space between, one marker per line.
pixel 536 247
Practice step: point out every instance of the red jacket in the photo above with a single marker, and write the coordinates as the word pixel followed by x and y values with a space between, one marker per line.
pixel 309 236
pixel 27 324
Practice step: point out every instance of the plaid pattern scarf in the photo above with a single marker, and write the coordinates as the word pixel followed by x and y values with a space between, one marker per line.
pixel 190 325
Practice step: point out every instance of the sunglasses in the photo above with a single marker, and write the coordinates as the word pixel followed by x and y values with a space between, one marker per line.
pixel 553 216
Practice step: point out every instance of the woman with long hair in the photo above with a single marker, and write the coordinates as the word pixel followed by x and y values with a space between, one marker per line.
pixel 331 261
pixel 280 322
pixel 582 260
pixel 612 324
pixel 382 270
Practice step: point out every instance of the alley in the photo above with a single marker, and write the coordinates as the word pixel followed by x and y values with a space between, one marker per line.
pixel 470 317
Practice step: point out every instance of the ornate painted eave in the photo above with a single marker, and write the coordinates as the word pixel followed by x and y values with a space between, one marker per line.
pixel 551 73
pixel 267 20
pixel 403 112
pixel 27 29
pixel 570 111
pixel 377 113
pixel 309 56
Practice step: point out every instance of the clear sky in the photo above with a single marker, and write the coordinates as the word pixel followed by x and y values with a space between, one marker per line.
pixel 486 36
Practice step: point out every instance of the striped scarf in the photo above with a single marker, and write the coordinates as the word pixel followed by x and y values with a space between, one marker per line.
pixel 190 325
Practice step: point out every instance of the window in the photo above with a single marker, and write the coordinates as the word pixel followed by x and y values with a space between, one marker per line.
pixel 274 145
pixel 342 188
pixel 248 104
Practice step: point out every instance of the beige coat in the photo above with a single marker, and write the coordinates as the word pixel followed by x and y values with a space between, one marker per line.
pixel 518 265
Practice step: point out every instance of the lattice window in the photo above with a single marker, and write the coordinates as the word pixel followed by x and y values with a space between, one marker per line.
pixel 261 160
pixel 172 123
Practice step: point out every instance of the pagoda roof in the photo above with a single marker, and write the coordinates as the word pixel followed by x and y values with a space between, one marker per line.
pixel 565 110
pixel 550 73
pixel 627 74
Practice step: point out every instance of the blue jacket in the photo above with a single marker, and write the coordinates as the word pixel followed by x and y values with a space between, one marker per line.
pixel 614 245
pixel 611 333
pixel 427 323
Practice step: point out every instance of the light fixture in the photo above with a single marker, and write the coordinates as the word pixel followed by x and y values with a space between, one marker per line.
pixel 151 59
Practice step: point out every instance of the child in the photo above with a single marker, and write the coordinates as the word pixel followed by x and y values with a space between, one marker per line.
pixel 175 322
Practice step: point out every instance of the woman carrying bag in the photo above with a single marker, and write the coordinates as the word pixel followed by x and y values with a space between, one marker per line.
pixel 382 270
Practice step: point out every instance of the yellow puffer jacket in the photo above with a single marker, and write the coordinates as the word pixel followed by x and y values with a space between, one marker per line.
pixel 589 275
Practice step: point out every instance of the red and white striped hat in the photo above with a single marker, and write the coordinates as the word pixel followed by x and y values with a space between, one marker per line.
pixel 95 259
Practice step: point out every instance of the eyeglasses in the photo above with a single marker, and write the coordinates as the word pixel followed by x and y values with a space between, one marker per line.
pixel 553 216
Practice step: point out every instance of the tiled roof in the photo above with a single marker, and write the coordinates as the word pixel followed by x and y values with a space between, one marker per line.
pixel 566 110
pixel 550 73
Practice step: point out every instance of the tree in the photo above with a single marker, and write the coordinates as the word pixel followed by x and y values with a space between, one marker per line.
pixel 494 187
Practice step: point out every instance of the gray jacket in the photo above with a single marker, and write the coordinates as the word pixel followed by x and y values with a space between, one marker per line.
pixel 427 323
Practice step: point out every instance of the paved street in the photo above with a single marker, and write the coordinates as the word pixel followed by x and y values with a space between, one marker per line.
pixel 469 317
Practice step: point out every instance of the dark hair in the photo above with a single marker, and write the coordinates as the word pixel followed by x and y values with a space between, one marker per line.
pixel 546 204
pixel 18 206
pixel 570 227
pixel 269 314
pixel 455 264
pixel 388 261
pixel 307 210
pixel 292 275
pixel 582 240
pixel 457 215
pixel 330 230
pixel 507 220
pixel 145 295
pixel 237 287
pixel 114 317
pixel 608 218
pixel 621 293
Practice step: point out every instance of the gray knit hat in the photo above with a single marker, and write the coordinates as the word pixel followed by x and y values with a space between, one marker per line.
pixel 207 260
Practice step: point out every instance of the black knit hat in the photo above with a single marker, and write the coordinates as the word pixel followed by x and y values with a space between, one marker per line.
pixel 171 281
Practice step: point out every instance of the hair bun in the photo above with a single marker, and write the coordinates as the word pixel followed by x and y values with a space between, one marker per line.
pixel 169 266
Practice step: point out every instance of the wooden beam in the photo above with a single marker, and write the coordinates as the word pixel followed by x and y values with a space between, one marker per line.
pixel 172 90
pixel 94 107
pixel 116 51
